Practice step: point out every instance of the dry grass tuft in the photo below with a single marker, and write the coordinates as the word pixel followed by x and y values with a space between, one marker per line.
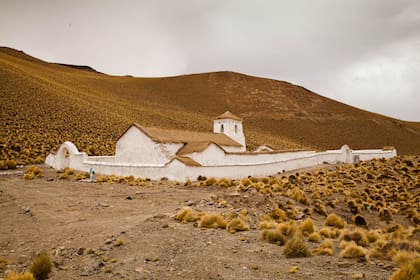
pixel 352 250
pixel 314 237
pixel 307 226
pixel 296 247
pixel 273 236
pixel 326 248
pixel 287 229
pixel 357 236
pixel 408 271
pixel 401 257
pixel 41 266
pixel 17 276
pixel 328 232
pixel 334 220
pixel 237 224
pixel 211 220
pixel 187 215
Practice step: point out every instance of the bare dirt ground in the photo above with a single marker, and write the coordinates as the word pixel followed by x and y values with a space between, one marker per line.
pixel 78 224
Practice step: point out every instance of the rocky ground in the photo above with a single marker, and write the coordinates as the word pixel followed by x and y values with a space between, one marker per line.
pixel 117 231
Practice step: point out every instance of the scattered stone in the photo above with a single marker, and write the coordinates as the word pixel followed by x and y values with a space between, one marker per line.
pixel 359 275
pixel 300 216
pixel 165 226
pixel 80 251
pixel 344 264
pixel 90 251
pixel 101 204
pixel 50 179
pixel 108 241
pixel 233 194
pixel 388 266
pixel 190 203
pixel 129 198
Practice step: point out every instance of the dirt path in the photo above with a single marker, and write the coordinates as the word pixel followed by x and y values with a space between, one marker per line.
pixel 79 223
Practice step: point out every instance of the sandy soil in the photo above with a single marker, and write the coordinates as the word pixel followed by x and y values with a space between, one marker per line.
pixel 78 223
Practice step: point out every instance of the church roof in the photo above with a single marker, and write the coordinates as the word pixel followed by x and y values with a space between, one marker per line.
pixel 185 136
pixel 193 147
pixel 228 115
pixel 187 161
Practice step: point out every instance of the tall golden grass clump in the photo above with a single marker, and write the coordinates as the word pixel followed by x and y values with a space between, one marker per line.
pixel 16 276
pixel 408 271
pixel 352 250
pixel 187 215
pixel 211 220
pixel 314 237
pixel 356 235
pixel 273 236
pixel 326 248
pixel 33 172
pixel 41 266
pixel 296 247
pixel 334 220
pixel 307 226
pixel 237 224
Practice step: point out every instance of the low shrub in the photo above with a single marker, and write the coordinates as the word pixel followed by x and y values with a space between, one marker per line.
pixel 314 237
pixel 307 226
pixel 237 224
pixel 273 236
pixel 211 220
pixel 334 220
pixel 41 266
pixel 352 250
pixel 17 276
pixel 408 271
pixel 357 236
pixel 296 247
pixel 187 215
pixel 401 257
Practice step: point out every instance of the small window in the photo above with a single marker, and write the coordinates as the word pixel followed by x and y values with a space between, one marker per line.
pixel 236 128
pixel 222 128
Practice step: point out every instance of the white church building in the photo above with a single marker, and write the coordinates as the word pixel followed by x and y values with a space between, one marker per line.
pixel 151 152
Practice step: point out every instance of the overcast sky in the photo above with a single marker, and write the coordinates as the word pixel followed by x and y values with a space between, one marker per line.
pixel 365 53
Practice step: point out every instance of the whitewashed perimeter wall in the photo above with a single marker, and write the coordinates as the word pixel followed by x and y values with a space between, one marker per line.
pixel 176 170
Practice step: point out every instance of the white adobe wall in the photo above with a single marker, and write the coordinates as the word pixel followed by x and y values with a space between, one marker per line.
pixel 213 155
pixel 176 170
pixel 136 147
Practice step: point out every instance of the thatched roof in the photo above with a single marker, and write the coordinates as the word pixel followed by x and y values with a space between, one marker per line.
pixel 187 161
pixel 161 135
pixel 228 115
pixel 193 147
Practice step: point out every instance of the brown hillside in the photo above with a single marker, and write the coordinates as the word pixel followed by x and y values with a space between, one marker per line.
pixel 44 104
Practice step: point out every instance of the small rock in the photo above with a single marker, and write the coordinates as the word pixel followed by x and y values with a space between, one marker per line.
pixel 165 226
pixel 50 179
pixel 140 269
pixel 190 203
pixel 108 241
pixel 80 251
pixel 388 266
pixel 103 204
pixel 233 194
pixel 90 251
pixel 300 216
pixel 359 275
pixel 344 264
pixel 129 198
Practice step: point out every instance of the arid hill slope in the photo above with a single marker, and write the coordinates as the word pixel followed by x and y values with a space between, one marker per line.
pixel 43 104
